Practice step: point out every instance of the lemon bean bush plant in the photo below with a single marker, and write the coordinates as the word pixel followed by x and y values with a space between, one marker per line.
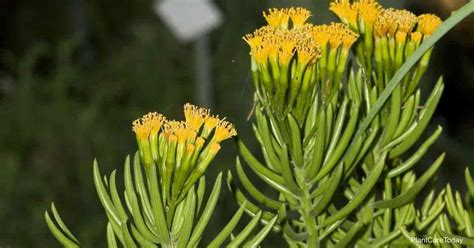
pixel 340 117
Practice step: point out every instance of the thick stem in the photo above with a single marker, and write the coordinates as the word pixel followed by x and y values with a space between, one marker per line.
pixel 309 220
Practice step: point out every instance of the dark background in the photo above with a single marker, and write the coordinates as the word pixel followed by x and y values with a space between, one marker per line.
pixel 74 74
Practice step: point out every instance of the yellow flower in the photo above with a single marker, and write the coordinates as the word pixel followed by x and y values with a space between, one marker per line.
pixel 195 116
pixel 381 25
pixel 277 18
pixel 224 130
pixel 215 147
pixel 211 122
pixel 368 10
pixel 260 55
pixel 348 38
pixel 401 37
pixel 336 34
pixel 200 142
pixel 253 40
pixel 320 35
pixel 345 11
pixel 148 124
pixel 392 20
pixel 288 45
pixel 272 47
pixel 190 148
pixel 416 37
pixel 299 16
pixel 181 130
pixel 428 23
pixel 308 53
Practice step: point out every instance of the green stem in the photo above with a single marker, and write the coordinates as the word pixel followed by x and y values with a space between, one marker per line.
pixel 170 212
pixel 309 220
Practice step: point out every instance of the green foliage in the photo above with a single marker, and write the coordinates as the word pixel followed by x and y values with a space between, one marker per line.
pixel 164 201
pixel 141 220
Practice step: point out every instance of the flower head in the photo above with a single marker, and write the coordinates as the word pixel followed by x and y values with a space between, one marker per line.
pixel 195 116
pixel 308 53
pixel 428 23
pixel 336 34
pixel 277 18
pixel 320 35
pixel 345 11
pixel 224 130
pixel 381 25
pixel 392 20
pixel 288 45
pixel 254 40
pixel 368 10
pixel 211 122
pixel 299 16
pixel 148 124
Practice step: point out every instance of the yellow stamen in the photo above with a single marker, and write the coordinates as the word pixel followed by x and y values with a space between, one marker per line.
pixel 181 130
pixel 396 20
pixel 381 25
pixel 308 53
pixel 299 16
pixel 223 131
pixel 428 23
pixel 320 35
pixel 253 40
pixel 148 124
pixel 345 11
pixel 368 11
pixel 277 17
pixel 195 116
pixel 211 122
pixel 170 126
pixel 142 131
pixel 272 47
pixel 288 45
pixel 349 38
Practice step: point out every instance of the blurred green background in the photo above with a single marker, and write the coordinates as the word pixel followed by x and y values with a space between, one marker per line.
pixel 74 74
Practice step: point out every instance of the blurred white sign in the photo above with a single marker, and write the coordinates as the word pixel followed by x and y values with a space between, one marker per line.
pixel 188 19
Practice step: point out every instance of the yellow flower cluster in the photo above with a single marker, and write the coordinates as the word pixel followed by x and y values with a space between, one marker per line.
pixel 427 23
pixel 285 55
pixel 148 124
pixel 364 12
pixel 335 34
pixel 183 136
pixel 279 45
pixel 185 131
pixel 279 18
pixel 389 36
pixel 181 150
